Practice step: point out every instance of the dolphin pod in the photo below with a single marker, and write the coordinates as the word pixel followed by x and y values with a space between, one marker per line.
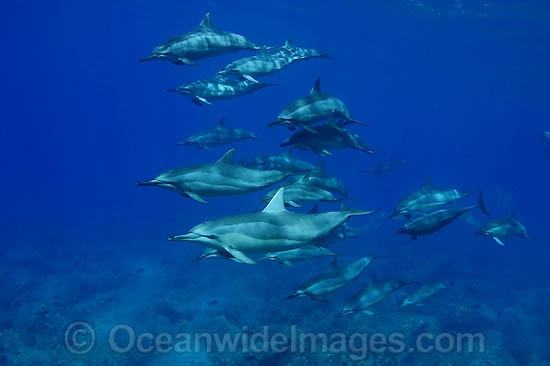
pixel 202 42
pixel 275 229
pixel 275 233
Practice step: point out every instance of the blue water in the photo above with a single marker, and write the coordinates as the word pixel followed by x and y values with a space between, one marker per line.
pixel 460 92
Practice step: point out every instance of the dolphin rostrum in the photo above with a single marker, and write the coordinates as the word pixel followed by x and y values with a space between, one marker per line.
pixel 222 178
pixel 326 138
pixel 220 87
pixel 219 135
pixel 315 107
pixel 373 294
pixel 426 199
pixel 504 228
pixel 437 220
pixel 422 293
pixel 299 254
pixel 334 279
pixel 203 41
pixel 275 229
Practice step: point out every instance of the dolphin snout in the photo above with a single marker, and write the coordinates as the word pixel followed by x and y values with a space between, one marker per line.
pixel 183 237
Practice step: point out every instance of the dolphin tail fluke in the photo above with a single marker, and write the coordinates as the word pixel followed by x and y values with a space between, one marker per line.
pixel 481 204
pixel 354 212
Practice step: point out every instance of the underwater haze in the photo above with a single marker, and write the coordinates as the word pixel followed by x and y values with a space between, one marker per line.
pixel 455 95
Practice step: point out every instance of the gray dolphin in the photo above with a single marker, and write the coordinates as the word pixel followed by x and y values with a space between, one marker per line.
pixel 209 253
pixel 219 135
pixel 326 138
pixel 338 233
pixel 427 198
pixel 315 107
pixel 271 61
pixel 320 178
pixel 220 87
pixel 285 161
pixel 437 220
pixel 422 293
pixel 334 279
pixel 504 228
pixel 203 41
pixel 375 292
pixel 299 254
pixel 385 167
pixel 222 178
pixel 302 191
pixel 275 229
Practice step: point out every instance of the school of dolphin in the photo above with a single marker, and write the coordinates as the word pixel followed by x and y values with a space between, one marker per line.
pixel 275 233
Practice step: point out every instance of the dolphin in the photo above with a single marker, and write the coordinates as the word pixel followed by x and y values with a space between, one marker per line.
pixel 202 42
pixel 286 162
pixel 298 254
pixel 220 87
pixel 547 135
pixel 219 135
pixel 209 253
pixel 338 233
pixel 222 178
pixel 275 229
pixel 422 293
pixel 320 178
pixel 385 167
pixel 271 61
pixel 504 228
pixel 375 292
pixel 326 138
pixel 315 107
pixel 427 198
pixel 302 191
pixel 437 220
pixel 334 279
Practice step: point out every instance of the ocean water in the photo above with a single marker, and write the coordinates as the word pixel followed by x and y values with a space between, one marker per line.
pixel 457 88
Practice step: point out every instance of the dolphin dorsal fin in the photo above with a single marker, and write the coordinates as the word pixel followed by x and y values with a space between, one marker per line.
pixel 513 213
pixel 316 87
pixel 206 22
pixel 428 183
pixel 228 157
pixel 287 43
pixel 304 180
pixel 315 209
pixel 222 122
pixel 277 203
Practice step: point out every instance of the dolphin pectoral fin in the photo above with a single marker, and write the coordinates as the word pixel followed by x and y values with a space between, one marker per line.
pixel 325 152
pixel 350 121
pixel 293 204
pixel 186 61
pixel 194 196
pixel 240 256
pixel 419 304
pixel 288 264
pixel 203 100
pixel 367 312
pixel 498 241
